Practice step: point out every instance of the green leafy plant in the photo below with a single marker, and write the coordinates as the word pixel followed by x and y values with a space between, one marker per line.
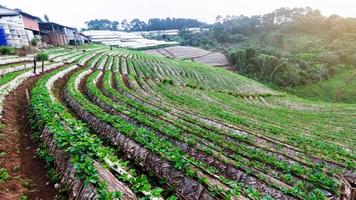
pixel 7 51
pixel 35 41
pixel 42 56
pixel 4 174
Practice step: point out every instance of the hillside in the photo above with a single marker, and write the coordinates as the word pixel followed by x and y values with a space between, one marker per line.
pixel 121 123
pixel 194 54
pixel 339 88
pixel 286 48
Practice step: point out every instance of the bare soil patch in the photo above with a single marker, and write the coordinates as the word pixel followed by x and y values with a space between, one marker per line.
pixel 26 170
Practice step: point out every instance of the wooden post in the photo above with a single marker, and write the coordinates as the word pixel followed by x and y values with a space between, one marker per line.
pixel 34 65
pixel 42 66
pixel 27 97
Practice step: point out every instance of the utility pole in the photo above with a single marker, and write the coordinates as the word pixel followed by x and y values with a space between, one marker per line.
pixel 34 65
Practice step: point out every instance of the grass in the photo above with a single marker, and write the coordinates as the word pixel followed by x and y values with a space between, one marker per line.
pixel 340 88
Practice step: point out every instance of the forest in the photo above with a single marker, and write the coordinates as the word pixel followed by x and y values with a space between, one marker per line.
pixel 139 25
pixel 288 47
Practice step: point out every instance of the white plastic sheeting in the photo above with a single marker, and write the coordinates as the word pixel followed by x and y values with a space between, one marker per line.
pixel 123 39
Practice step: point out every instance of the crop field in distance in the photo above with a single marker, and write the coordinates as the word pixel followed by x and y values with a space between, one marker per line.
pixel 117 123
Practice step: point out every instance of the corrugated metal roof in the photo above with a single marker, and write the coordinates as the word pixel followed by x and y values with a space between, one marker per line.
pixel 30 16
pixel 7 12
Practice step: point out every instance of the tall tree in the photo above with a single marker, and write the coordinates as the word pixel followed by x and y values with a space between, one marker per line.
pixel 137 25
pixel 102 24
pixel 125 25
pixel 115 25
pixel 46 18
pixel 218 19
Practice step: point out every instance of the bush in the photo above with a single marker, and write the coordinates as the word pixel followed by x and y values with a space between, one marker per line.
pixel 284 69
pixel 168 81
pixel 7 51
pixel 34 41
pixel 330 58
pixel 42 56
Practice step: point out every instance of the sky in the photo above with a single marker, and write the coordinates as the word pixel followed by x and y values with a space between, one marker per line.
pixel 75 13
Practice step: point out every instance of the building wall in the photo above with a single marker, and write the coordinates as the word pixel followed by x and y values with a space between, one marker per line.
pixel 30 35
pixel 69 33
pixel 14 30
pixel 55 39
pixel 30 24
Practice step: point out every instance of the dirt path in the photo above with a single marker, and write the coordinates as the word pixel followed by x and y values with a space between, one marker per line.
pixel 27 172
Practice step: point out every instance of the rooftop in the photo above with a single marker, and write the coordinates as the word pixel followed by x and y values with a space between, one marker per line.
pixel 7 12
pixel 29 15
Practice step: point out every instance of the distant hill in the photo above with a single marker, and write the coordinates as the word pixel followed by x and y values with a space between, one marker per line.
pixel 287 48
pixel 340 88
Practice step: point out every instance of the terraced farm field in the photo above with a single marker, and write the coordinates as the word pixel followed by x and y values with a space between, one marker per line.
pixel 192 53
pixel 125 124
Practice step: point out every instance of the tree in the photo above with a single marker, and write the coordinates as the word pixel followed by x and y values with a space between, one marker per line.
pixel 218 19
pixel 125 25
pixel 102 24
pixel 42 57
pixel 115 25
pixel 137 25
pixel 46 18
pixel 220 33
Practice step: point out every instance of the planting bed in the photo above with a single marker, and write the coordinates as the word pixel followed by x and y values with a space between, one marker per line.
pixel 125 124
pixel 192 53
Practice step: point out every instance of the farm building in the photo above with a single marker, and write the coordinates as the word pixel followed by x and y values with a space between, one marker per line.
pixel 59 35
pixel 83 38
pixel 53 33
pixel 12 28
pixel 31 25
pixel 73 36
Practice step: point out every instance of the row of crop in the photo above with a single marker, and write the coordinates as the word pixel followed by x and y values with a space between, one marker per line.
pixel 17 67
pixel 313 174
pixel 150 141
pixel 16 60
pixel 139 66
pixel 294 124
pixel 157 124
pixel 143 119
pixel 316 119
pixel 16 81
pixel 102 61
pixel 251 153
pixel 188 73
pixel 10 76
pixel 73 137
pixel 116 64
pixel 286 148
pixel 313 159
pixel 211 78
pixel 165 71
pixel 249 120
pixel 131 115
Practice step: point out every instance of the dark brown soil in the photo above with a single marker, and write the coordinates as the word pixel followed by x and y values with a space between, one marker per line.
pixel 27 171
